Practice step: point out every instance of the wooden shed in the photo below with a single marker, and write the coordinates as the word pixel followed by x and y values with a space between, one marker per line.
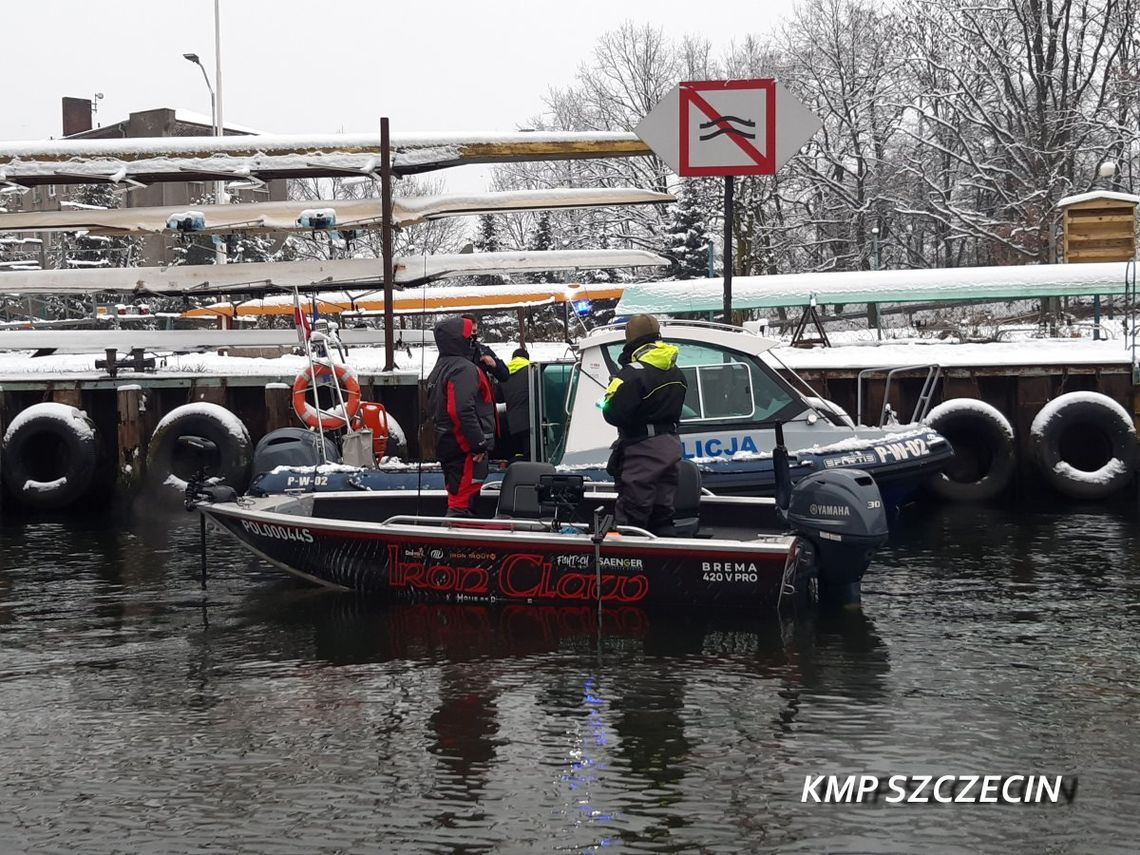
pixel 1099 226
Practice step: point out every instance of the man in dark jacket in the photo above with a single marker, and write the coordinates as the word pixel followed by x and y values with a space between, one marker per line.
pixel 462 408
pixel 644 403
pixel 516 395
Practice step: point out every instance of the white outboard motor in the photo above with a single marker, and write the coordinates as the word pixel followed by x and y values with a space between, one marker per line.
pixel 840 513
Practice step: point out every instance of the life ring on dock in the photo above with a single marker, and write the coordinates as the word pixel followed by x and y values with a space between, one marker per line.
pixel 327 419
pixel 985 457
pixel 1085 445
pixel 50 453
pixel 172 464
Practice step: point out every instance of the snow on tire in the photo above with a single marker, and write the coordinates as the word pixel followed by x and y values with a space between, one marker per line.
pixel 171 465
pixel 985 458
pixel 1085 445
pixel 50 453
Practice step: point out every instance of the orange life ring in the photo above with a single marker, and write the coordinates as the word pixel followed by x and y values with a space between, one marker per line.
pixel 327 419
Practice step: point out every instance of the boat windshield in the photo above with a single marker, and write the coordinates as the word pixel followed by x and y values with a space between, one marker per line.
pixel 726 386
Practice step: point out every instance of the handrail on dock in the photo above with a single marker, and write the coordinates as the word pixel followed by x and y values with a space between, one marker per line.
pixel 921 406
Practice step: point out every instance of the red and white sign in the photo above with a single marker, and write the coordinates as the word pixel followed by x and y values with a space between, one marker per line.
pixel 727 127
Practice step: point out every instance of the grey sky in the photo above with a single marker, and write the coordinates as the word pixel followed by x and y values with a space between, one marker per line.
pixel 301 67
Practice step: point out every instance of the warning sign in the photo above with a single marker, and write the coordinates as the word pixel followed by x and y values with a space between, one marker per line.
pixel 727 127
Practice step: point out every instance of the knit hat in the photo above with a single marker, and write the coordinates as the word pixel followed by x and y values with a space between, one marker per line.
pixel 640 326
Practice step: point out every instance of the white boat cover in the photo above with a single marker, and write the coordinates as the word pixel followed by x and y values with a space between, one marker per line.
pixel 349 213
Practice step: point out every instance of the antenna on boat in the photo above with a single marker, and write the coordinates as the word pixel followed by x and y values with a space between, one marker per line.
pixel 602 526
pixel 421 403
pixel 304 330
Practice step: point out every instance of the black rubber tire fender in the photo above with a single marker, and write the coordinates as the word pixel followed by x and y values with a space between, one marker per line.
pixel 50 455
pixel 171 465
pixel 985 456
pixel 1084 444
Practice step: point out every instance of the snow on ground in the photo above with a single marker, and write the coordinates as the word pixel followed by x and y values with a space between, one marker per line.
pixel 1068 351
pixel 414 362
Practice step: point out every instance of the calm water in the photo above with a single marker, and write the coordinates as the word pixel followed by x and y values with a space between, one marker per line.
pixel 138 714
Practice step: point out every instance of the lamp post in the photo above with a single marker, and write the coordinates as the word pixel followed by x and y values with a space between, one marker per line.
pixel 215 111
pixel 193 57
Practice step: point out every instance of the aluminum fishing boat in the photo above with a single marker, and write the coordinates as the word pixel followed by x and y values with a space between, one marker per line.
pixel 548 538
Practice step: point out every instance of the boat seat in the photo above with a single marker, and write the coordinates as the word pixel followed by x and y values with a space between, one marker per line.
pixel 518 496
pixel 687 501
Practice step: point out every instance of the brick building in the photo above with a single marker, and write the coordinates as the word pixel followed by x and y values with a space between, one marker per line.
pixel 159 122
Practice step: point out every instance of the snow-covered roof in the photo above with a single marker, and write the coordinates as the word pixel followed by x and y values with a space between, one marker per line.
pixel 190 117
pixel 1098 194
pixel 349 213
pixel 878 286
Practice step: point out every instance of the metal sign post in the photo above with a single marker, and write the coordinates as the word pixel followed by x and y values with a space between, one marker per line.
pixel 727 127
pixel 386 244
pixel 729 213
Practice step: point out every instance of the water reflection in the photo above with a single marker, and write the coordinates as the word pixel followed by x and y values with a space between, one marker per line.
pixel 141 713
pixel 619 701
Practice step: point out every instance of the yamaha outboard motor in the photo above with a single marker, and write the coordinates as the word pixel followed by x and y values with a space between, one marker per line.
pixel 292 446
pixel 840 513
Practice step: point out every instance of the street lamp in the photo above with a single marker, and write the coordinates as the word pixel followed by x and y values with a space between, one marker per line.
pixel 219 186
pixel 193 57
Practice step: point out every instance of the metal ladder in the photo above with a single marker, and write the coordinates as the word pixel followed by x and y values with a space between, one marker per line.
pixel 925 395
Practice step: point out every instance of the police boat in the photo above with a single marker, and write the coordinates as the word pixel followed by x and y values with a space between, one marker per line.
pixel 549 538
pixel 737 390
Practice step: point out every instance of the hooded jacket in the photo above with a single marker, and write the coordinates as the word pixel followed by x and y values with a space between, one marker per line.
pixel 460 400
pixel 648 393
pixel 516 395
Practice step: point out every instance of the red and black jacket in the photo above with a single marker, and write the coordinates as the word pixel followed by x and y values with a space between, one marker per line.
pixel 460 400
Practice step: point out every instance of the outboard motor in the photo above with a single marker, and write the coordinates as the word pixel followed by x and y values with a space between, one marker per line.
pixel 292 446
pixel 840 513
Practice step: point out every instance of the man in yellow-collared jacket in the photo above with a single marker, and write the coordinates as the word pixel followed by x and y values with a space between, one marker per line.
pixel 644 403
pixel 515 392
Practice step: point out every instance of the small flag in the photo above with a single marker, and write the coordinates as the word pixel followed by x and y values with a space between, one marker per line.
pixel 301 320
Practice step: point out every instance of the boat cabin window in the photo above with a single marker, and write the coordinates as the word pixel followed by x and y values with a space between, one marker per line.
pixel 726 385
pixel 557 398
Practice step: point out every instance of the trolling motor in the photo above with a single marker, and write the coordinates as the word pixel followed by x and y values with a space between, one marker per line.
pixel 203 488
pixel 840 513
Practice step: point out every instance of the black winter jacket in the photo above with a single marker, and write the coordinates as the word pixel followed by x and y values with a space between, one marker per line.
pixel 460 400
pixel 649 390
pixel 516 395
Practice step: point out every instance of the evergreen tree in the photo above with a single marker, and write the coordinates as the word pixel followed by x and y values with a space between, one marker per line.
pixel 542 240
pixel 488 241
pixel 488 238
pixel 686 238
